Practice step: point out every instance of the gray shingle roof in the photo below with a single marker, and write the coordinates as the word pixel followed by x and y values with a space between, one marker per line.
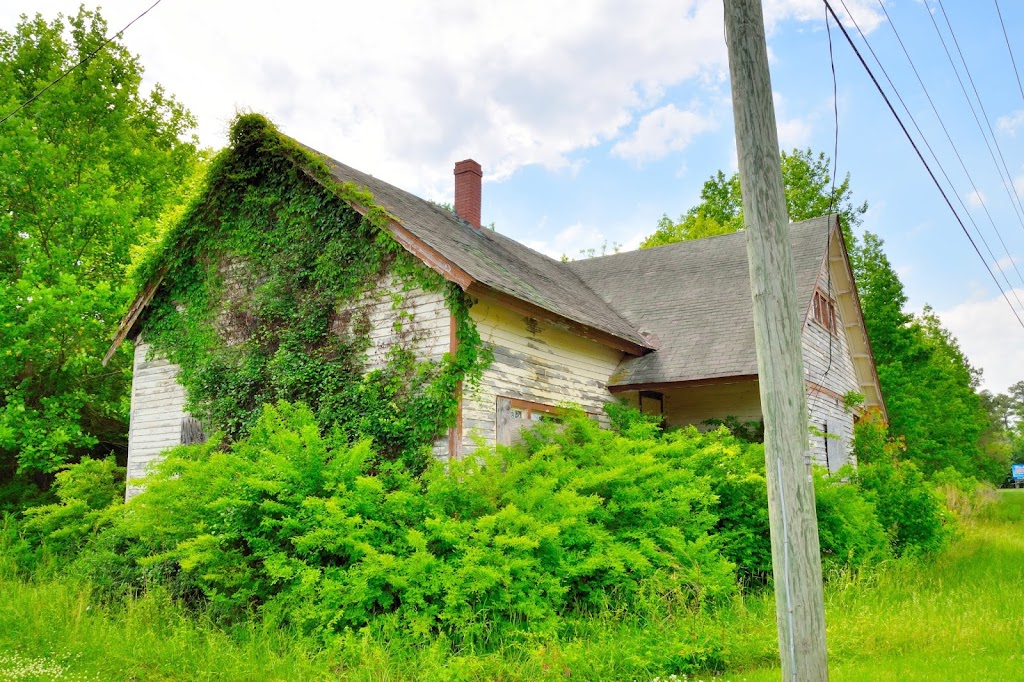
pixel 695 297
pixel 493 259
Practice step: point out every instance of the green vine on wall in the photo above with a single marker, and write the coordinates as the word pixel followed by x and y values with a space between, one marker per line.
pixel 260 302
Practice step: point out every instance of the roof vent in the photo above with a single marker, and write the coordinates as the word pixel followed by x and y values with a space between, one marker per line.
pixel 468 177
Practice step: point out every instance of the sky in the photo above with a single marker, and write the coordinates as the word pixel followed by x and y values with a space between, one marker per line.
pixel 593 118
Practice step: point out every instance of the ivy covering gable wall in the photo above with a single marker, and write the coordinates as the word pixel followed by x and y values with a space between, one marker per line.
pixel 263 298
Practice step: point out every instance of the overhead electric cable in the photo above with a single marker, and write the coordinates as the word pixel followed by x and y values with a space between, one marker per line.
pixel 84 60
pixel 816 391
pixel 1008 186
pixel 906 133
pixel 1009 49
pixel 935 157
pixel 956 151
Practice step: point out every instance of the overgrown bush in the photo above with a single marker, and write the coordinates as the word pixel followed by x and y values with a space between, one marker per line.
pixel 965 496
pixel 849 529
pixel 575 520
pixel 908 507
pixel 57 532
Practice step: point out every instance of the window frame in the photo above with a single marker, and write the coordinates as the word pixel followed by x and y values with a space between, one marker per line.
pixel 823 311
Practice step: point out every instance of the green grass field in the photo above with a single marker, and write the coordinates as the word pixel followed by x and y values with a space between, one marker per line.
pixel 960 617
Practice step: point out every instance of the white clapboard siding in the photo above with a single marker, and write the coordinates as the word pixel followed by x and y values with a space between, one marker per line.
pixel 158 402
pixel 828 364
pixel 533 362
pixel 418 319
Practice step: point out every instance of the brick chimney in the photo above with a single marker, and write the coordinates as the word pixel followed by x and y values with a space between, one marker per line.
pixel 468 176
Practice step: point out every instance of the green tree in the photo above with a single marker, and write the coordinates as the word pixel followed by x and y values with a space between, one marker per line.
pixel 809 193
pixel 85 172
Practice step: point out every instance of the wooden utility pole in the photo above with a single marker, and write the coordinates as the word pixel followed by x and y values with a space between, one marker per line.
pixel 796 562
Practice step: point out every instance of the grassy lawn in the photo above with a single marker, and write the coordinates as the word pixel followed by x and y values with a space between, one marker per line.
pixel 952 619
pixel 962 619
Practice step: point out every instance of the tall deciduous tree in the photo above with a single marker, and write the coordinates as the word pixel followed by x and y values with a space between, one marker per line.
pixel 85 172
pixel 809 194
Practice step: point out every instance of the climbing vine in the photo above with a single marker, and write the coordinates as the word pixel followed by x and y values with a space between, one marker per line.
pixel 265 280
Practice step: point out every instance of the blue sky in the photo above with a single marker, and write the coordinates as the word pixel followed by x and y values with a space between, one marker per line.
pixel 592 119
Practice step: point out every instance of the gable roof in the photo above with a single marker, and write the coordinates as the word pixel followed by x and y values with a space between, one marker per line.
pixel 695 296
pixel 495 261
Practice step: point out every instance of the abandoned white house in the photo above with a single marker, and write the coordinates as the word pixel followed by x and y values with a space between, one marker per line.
pixel 669 329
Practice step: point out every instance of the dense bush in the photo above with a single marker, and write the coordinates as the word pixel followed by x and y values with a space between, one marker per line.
pixel 849 530
pixel 575 520
pixel 57 532
pixel 908 507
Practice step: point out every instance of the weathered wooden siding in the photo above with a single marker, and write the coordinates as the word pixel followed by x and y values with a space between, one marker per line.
pixel 157 411
pixel 534 362
pixel 416 319
pixel 829 370
pixel 716 401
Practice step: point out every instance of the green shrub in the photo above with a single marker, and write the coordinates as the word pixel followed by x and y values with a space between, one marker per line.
pixel 965 496
pixel 849 530
pixel 907 506
pixel 86 491
pixel 575 520
pixel 735 471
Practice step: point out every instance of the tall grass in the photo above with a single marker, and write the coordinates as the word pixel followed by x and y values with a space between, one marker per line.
pixel 960 617
pixel 955 617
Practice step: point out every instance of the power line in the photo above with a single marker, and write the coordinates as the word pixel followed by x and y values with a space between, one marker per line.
pixel 913 144
pixel 1009 49
pixel 85 59
pixel 924 138
pixel 956 151
pixel 1008 187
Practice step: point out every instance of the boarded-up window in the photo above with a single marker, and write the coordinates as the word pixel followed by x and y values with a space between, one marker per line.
pixel 191 431
pixel 652 403
pixel 836 455
pixel 513 415
pixel 824 311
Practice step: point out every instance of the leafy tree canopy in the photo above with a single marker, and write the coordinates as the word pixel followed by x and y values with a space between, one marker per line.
pixel 809 193
pixel 85 172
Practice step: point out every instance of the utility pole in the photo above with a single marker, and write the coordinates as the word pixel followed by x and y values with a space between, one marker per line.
pixel 796 561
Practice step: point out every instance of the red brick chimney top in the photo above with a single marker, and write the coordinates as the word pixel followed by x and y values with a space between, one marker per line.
pixel 468 178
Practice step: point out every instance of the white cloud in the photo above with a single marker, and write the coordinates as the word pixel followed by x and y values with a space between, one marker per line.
pixel 864 12
pixel 1011 123
pixel 976 199
pixel 1008 263
pixel 794 132
pixel 666 129
pixel 991 337
pixel 573 241
pixel 401 89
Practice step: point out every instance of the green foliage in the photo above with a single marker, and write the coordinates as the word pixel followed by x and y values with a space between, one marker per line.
pixel 752 431
pixel 86 493
pixel 809 194
pixel 928 384
pixel 849 529
pixel 260 302
pixel 575 520
pixel 907 619
pixel 85 172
